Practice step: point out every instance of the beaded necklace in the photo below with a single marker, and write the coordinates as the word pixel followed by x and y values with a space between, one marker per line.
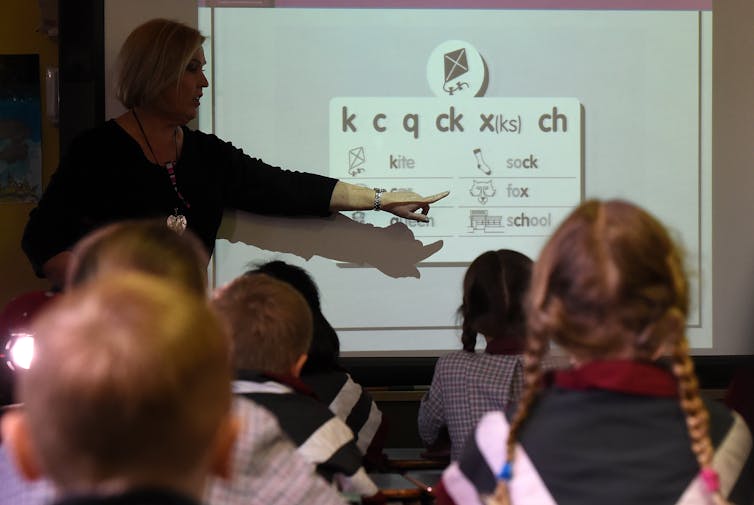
pixel 176 222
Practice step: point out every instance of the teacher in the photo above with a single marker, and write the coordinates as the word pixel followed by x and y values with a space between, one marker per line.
pixel 146 163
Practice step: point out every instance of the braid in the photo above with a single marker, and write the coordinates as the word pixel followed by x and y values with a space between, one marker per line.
pixel 543 314
pixel 493 288
pixel 536 348
pixel 697 416
pixel 468 335
pixel 610 279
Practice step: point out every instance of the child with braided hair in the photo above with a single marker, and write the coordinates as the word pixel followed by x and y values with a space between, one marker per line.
pixel 626 424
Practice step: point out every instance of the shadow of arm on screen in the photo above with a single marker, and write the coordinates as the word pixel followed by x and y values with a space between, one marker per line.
pixel 393 250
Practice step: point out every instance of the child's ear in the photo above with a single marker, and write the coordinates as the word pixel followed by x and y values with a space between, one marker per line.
pixel 222 458
pixel 298 365
pixel 16 438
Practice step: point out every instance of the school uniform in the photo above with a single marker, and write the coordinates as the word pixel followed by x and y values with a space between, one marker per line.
pixel 15 489
pixel 354 406
pixel 266 468
pixel 320 436
pixel 465 386
pixel 606 432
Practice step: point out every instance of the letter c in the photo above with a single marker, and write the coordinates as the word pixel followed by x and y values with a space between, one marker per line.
pixel 376 122
pixel 542 123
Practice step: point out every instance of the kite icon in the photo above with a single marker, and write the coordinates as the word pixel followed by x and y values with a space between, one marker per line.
pixel 356 160
pixel 456 68
pixel 456 64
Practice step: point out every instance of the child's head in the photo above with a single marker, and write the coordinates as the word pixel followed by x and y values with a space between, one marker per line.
pixel 609 284
pixel 493 296
pixel 325 347
pixel 270 323
pixel 130 387
pixel 148 246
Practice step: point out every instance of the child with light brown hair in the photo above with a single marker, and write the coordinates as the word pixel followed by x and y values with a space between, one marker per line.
pixel 267 469
pixel 106 414
pixel 324 374
pixel 271 328
pixel 626 424
pixel 143 245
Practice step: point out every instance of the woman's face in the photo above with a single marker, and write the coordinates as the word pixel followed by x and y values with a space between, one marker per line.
pixel 182 101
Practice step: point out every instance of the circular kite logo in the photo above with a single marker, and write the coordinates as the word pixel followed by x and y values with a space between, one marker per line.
pixel 456 68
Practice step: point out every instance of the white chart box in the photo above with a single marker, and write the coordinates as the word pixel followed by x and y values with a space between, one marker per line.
pixel 513 165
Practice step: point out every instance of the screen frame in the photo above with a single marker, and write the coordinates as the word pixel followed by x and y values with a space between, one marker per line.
pixel 733 98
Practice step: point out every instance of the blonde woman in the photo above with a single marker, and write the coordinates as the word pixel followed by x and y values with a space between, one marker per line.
pixel 147 163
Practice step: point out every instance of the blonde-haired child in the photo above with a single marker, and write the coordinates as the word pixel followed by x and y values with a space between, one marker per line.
pixel 105 411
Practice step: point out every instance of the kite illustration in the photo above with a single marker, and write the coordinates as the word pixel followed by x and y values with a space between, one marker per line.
pixel 356 160
pixel 456 65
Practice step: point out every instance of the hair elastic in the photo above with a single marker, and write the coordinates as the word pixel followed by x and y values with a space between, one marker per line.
pixel 711 479
pixel 507 472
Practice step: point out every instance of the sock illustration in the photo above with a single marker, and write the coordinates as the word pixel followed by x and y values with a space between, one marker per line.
pixel 480 163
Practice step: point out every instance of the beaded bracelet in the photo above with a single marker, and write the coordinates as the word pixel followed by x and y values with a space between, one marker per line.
pixel 378 198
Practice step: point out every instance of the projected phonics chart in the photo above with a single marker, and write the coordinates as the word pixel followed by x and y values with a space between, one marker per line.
pixel 514 163
pixel 520 113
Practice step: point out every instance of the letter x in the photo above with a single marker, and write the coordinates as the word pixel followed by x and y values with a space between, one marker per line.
pixel 487 122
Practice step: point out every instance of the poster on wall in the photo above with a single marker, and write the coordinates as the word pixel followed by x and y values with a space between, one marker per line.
pixel 20 129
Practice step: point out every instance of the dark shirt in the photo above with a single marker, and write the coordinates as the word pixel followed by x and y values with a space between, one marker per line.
pixel 606 432
pixel 354 406
pixel 105 177
pixel 132 497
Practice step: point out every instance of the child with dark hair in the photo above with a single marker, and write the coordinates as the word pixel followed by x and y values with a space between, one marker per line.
pixel 325 347
pixel 626 424
pixel 467 384
pixel 322 372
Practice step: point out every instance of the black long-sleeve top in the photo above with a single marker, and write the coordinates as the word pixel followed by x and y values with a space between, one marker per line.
pixel 105 177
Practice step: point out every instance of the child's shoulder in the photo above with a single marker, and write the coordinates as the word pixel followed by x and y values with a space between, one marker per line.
pixel 464 358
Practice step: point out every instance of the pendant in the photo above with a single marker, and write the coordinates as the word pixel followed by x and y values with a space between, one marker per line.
pixel 177 223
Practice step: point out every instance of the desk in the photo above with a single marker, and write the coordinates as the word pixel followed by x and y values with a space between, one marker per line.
pixel 411 487
pixel 402 459
pixel 425 480
pixel 395 487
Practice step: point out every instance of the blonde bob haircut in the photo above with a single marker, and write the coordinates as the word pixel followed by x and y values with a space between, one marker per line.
pixel 154 57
